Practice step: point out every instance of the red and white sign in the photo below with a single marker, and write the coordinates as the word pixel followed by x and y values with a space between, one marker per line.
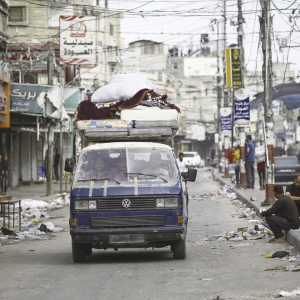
pixel 77 40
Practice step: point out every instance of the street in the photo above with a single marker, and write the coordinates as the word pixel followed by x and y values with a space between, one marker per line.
pixel 226 269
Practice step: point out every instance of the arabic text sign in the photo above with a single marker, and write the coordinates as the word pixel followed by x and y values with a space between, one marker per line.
pixel 233 67
pixel 236 68
pixel 30 99
pixel 77 40
pixel 242 112
pixel 225 120
pixel 24 98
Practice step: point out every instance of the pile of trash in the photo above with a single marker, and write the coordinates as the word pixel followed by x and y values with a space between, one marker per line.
pixel 34 218
pixel 244 233
pixel 225 192
pixel 289 294
pixel 34 233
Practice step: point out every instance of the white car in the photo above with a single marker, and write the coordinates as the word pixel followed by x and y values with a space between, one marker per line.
pixel 193 159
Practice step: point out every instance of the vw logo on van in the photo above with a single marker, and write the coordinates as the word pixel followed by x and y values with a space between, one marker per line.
pixel 126 203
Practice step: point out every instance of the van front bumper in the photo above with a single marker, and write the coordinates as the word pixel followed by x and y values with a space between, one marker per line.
pixel 128 235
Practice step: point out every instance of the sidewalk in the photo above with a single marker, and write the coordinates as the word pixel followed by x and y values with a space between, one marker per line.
pixel 35 191
pixel 293 236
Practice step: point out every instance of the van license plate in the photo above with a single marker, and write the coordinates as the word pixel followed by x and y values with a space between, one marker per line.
pixel 126 238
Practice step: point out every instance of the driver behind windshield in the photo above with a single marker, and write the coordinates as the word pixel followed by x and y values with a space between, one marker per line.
pixel 155 164
pixel 118 172
pixel 99 170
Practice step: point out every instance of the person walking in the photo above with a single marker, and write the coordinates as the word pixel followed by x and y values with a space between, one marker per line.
pixel 182 165
pixel 236 160
pixel 261 170
pixel 2 176
pixel 283 215
pixel 56 165
pixel 249 162
pixel 5 163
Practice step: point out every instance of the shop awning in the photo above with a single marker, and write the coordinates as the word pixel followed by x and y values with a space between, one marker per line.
pixel 71 99
pixel 288 93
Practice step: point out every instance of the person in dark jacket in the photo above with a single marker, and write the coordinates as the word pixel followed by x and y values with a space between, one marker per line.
pixel 4 170
pixel 56 165
pixel 283 215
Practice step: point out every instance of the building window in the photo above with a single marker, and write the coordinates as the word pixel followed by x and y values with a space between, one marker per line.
pixel 3 22
pixel 15 76
pixel 175 66
pixel 30 77
pixel 111 29
pixel 112 69
pixel 17 14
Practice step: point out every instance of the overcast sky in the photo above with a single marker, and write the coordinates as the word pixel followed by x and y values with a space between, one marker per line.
pixel 182 22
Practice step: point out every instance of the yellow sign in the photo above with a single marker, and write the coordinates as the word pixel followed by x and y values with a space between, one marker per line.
pixel 4 97
pixel 228 68
pixel 233 68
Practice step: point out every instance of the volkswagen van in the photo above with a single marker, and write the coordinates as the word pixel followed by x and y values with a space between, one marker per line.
pixel 122 198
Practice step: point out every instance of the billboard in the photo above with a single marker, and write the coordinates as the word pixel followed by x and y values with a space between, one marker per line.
pixel 77 40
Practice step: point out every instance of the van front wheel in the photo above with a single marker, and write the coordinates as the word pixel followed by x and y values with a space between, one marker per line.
pixel 78 252
pixel 179 249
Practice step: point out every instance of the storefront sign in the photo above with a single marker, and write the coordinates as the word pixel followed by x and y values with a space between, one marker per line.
pixel 78 40
pixel 242 112
pixel 37 99
pixel 226 120
pixel 233 68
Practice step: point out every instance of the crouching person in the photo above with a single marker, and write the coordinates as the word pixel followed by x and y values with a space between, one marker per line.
pixel 283 215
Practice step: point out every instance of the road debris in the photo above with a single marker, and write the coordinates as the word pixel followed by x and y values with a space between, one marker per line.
pixel 34 215
pixel 289 294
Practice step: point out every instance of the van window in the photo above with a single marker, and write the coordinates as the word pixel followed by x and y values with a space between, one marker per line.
pixel 125 164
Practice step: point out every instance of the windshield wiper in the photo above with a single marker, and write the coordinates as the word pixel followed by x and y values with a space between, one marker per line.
pixel 100 179
pixel 152 175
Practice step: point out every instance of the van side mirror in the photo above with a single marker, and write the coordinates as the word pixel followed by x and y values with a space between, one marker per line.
pixel 184 175
pixel 69 165
pixel 191 175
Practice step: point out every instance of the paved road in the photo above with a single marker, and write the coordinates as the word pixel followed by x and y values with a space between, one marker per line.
pixel 230 270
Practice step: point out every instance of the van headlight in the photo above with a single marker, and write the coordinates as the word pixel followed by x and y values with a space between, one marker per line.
pixel 81 204
pixel 166 202
pixel 92 204
pixel 171 202
pixel 160 202
pixel 85 204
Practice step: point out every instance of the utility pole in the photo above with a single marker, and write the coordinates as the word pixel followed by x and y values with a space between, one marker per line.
pixel 240 31
pixel 219 146
pixel 225 93
pixel 50 128
pixel 49 159
pixel 224 59
pixel 50 65
pixel 265 30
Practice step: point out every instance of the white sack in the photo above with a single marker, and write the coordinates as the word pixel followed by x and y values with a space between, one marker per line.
pixel 121 86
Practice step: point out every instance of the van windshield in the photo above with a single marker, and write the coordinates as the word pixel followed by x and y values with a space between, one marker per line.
pixel 126 165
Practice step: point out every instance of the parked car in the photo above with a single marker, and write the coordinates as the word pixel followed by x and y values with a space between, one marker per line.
pixel 193 159
pixel 286 168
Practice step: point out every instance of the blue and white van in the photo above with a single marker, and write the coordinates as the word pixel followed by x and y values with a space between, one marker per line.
pixel 128 195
